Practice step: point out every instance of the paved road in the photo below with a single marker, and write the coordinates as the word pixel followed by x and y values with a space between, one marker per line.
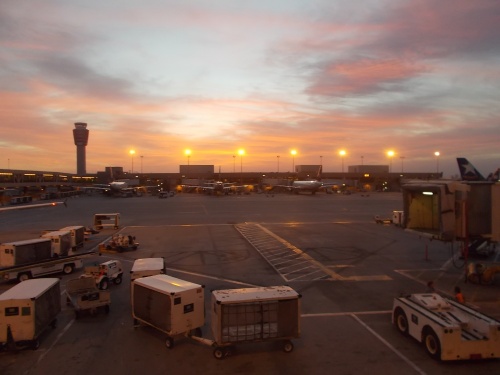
pixel 347 268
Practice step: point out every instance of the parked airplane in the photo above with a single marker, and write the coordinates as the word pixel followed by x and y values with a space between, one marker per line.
pixel 312 186
pixel 218 187
pixel 469 173
pixel 38 205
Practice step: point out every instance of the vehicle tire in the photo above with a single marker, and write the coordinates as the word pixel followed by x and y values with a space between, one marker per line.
pixel 23 276
pixel 68 268
pixel 169 342
pixel 35 344
pixel 287 346
pixel 218 353
pixel 118 280
pixel 432 344
pixel 104 284
pixel 401 321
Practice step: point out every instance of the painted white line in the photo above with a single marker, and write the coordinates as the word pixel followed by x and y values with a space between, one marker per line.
pixel 346 313
pixel 397 352
pixel 213 277
pixel 56 340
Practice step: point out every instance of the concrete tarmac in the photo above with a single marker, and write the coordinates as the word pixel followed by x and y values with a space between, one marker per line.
pixel 347 268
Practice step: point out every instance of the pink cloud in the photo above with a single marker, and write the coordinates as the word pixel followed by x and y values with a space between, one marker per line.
pixel 362 76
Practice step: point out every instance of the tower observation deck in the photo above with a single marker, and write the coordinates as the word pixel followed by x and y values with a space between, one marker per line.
pixel 81 137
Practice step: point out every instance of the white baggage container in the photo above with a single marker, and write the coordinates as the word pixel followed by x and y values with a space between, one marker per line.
pixel 171 305
pixel 144 267
pixel 255 314
pixel 26 310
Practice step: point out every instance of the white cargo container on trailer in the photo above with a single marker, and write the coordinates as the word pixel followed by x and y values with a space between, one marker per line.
pixel 26 310
pixel 173 306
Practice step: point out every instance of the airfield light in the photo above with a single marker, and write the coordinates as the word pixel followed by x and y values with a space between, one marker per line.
pixel 241 152
pixel 342 153
pixel 293 152
pixel 187 152
pixel 132 152
pixel 436 154
pixel 390 154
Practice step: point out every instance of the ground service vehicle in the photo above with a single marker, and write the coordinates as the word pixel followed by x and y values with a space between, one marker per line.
pixel 482 273
pixel 77 233
pixel 147 267
pixel 253 315
pixel 102 221
pixel 65 265
pixel 25 252
pixel 176 307
pixel 119 243
pixel 172 306
pixel 26 310
pixel 449 330
pixel 61 242
pixel 105 273
pixel 84 296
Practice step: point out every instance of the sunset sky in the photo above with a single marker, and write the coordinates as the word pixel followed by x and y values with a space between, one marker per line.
pixel 268 76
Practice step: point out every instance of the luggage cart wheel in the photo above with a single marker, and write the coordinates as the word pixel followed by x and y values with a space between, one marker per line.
pixel 35 344
pixel 220 353
pixel 169 343
pixel 287 346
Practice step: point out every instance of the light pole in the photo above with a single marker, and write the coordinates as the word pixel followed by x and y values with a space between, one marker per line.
pixel 241 152
pixel 293 152
pixel 141 162
pixel 402 165
pixel 321 163
pixel 132 152
pixel 390 154
pixel 436 154
pixel 187 152
pixel 342 154
pixel 278 157
pixel 234 163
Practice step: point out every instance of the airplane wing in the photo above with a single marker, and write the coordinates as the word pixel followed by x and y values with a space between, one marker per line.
pixel 28 206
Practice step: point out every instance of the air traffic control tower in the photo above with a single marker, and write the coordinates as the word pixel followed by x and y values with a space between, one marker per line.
pixel 81 137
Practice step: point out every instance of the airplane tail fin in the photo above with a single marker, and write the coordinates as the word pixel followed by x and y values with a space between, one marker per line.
pixel 468 172
pixel 495 176
pixel 320 171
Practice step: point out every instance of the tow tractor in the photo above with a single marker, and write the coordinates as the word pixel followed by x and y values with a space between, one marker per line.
pixel 448 330
pixel 119 243
pixel 482 273
pixel 105 273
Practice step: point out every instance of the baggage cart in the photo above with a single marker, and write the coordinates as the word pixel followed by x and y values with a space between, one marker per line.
pixel 111 220
pixel 26 310
pixel 253 315
pixel 173 306
pixel 144 267
pixel 84 296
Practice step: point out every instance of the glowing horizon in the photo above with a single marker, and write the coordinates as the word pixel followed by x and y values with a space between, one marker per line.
pixel 266 77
